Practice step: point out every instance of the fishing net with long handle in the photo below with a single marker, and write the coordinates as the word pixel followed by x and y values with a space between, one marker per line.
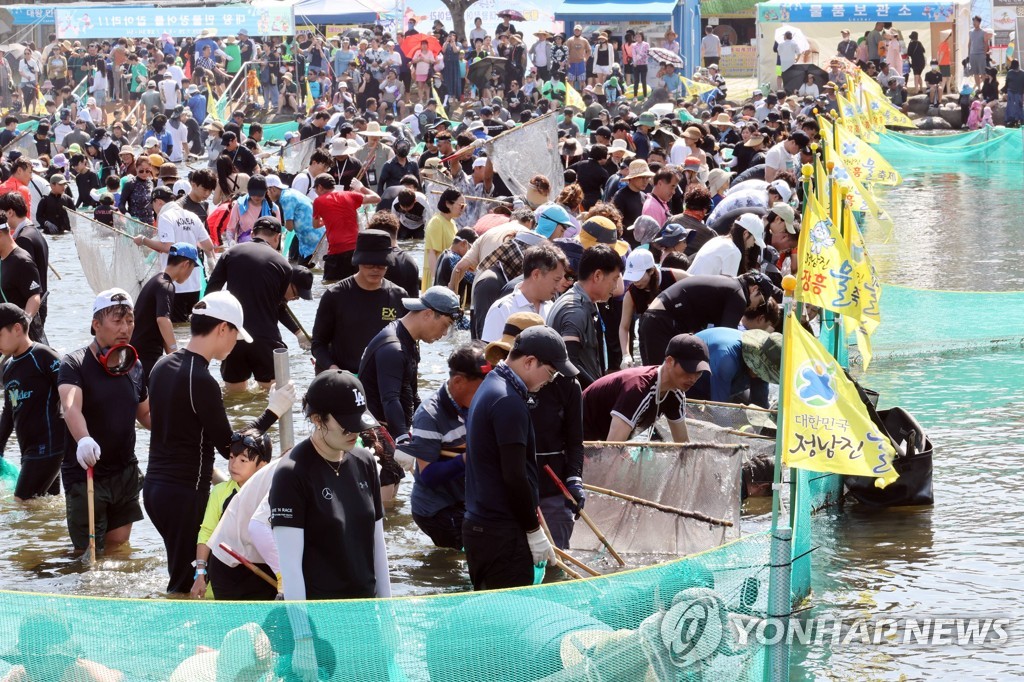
pixel 109 258
pixel 530 149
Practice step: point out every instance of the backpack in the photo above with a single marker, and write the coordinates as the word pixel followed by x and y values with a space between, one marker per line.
pixel 217 220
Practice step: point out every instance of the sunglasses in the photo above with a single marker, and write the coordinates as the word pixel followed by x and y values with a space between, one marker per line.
pixel 250 442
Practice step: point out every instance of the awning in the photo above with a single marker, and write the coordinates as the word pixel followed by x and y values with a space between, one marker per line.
pixel 331 12
pixel 633 11
pixel 712 8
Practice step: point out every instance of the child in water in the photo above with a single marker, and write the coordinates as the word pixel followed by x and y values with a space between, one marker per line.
pixel 250 452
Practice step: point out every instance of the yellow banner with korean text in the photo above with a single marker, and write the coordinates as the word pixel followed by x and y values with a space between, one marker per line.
pixel 825 426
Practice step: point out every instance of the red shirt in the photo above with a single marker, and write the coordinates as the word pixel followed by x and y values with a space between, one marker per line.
pixel 338 209
pixel 12 184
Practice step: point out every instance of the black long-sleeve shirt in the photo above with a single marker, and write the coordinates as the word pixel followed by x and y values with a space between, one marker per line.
pixel 388 371
pixel 86 182
pixel 188 421
pixel 701 301
pixel 557 414
pixel 258 276
pixel 51 210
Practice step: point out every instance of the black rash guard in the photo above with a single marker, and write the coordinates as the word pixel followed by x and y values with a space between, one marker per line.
pixel 188 421
pixel 31 402
pixel 388 371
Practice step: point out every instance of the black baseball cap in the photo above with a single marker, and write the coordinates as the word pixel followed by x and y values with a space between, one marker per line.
pixel 267 222
pixel 545 344
pixel 10 313
pixel 302 280
pixel 340 394
pixel 164 194
pixel 689 352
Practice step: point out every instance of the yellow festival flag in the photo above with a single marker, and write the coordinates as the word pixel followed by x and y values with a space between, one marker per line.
pixel 693 88
pixel 573 99
pixel 825 426
pixel 869 289
pixel 884 113
pixel 826 277
pixel 440 104
pixel 864 163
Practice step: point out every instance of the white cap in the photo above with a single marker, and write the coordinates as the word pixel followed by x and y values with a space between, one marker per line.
pixel 225 307
pixel 753 224
pixel 638 263
pixel 480 162
pixel 274 181
pixel 151 142
pixel 783 189
pixel 110 298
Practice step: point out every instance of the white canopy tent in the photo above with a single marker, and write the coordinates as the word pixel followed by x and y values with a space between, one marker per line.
pixel 822 23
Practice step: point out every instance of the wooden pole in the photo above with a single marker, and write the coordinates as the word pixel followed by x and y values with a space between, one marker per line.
pixel 735 406
pixel 297 322
pixel 657 505
pixel 248 564
pixel 468 196
pixel 571 559
pixel 54 270
pixel 557 562
pixel 91 495
pixel 583 515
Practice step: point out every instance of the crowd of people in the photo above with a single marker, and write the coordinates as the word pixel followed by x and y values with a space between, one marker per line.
pixel 650 278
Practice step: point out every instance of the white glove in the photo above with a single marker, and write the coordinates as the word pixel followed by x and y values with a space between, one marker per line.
pixel 88 452
pixel 280 400
pixel 304 343
pixel 627 362
pixel 304 664
pixel 354 185
pixel 407 462
pixel 540 548
pixel 477 143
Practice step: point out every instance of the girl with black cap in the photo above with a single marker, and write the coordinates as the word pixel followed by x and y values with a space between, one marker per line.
pixel 326 511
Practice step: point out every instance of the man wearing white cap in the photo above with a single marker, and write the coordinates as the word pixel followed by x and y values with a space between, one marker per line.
pixel 189 422
pixel 103 393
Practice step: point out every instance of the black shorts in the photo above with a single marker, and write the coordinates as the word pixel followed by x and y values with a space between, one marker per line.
pixel 656 329
pixel 254 359
pixel 134 96
pixel 39 475
pixel 238 583
pixel 182 308
pixel 497 557
pixel 117 504
pixel 338 266
pixel 444 527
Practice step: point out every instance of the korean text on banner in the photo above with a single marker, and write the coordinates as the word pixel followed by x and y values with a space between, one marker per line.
pixel 80 22
pixel 827 274
pixel 825 426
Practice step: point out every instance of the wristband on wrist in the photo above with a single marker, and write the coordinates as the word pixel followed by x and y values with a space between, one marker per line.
pixel 199 572
pixel 199 563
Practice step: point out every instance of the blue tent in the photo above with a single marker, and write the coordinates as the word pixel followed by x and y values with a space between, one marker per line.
pixel 682 15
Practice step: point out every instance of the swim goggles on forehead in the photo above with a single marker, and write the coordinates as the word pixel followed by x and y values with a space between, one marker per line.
pixel 117 360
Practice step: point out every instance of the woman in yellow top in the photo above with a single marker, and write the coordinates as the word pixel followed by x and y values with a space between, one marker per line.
pixel 440 232
pixel 250 452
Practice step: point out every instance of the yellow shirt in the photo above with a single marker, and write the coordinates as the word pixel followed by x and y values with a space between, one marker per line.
pixel 437 236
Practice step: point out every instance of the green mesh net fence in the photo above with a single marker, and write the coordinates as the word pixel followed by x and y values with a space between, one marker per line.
pixel 989 145
pixel 918 321
pixel 633 625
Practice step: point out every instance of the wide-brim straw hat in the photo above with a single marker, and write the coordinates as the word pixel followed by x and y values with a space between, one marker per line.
pixel 497 351
pixel 639 169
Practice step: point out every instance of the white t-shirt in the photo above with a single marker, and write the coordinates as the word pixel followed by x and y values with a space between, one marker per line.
pixel 176 73
pixel 788 52
pixel 170 90
pixel 779 159
pixel 303 182
pixel 711 45
pixel 175 224
pixel 179 142
pixel 718 256
pixel 680 150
